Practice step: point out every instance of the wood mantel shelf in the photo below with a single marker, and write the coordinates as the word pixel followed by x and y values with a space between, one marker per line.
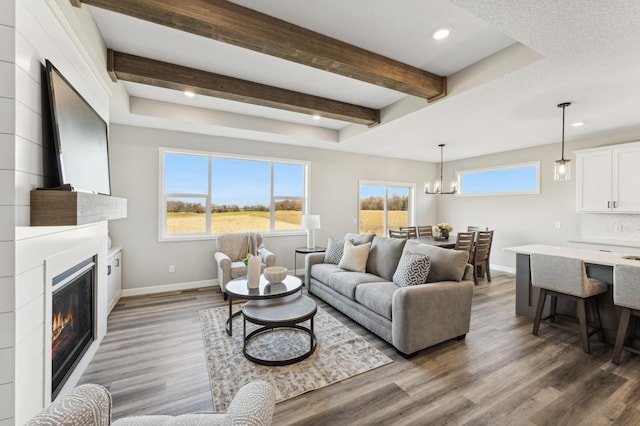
pixel 69 208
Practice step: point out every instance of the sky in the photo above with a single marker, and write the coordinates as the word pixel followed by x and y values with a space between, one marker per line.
pixel 516 179
pixel 240 182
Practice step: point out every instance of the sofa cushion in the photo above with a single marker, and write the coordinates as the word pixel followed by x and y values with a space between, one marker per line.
pixel 384 256
pixel 346 282
pixel 359 239
pixel 377 296
pixel 335 250
pixel 355 257
pixel 446 264
pixel 321 271
pixel 413 269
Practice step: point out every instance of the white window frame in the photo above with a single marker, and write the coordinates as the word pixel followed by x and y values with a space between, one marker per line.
pixel 162 196
pixel 386 185
pixel 460 180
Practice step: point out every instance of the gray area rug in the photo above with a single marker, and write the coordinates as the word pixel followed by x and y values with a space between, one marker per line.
pixel 340 353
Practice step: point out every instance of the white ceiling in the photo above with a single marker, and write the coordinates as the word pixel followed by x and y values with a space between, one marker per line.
pixel 581 51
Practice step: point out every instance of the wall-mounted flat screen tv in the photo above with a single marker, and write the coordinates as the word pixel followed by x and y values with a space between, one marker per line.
pixel 80 136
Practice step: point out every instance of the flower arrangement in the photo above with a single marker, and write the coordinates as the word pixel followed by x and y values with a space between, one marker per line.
pixel 439 227
pixel 246 259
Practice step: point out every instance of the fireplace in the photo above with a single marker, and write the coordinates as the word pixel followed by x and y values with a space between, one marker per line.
pixel 72 320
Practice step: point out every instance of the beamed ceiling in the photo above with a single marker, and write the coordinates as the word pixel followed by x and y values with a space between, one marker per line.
pixel 372 72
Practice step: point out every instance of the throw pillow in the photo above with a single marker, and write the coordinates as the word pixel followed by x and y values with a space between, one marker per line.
pixel 355 257
pixel 413 269
pixel 335 250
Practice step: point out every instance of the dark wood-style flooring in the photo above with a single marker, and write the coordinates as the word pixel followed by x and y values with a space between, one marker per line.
pixel 152 360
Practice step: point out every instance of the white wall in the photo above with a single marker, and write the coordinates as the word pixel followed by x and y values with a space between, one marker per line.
pixel 333 179
pixel 528 219
pixel 30 31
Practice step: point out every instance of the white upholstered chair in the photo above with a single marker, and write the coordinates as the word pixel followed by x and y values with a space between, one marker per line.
pixel 232 248
pixel 90 404
pixel 566 277
pixel 626 294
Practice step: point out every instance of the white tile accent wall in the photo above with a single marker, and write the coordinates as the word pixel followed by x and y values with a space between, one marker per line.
pixel 7 296
pixel 7 357
pixel 7 40
pixel 7 330
pixel 7 71
pixel 7 12
pixel 7 152
pixel 603 226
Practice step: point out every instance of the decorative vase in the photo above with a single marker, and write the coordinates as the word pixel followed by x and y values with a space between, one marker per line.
pixel 444 234
pixel 253 272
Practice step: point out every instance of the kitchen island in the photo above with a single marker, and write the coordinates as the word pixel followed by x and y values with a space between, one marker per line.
pixel 599 265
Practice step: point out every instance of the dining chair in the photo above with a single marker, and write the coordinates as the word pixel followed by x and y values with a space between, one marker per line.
pixel 566 277
pixel 464 242
pixel 410 230
pixel 477 228
pixel 424 231
pixel 398 234
pixel 480 257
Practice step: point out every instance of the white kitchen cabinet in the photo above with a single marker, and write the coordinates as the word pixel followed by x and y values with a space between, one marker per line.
pixel 114 277
pixel 607 179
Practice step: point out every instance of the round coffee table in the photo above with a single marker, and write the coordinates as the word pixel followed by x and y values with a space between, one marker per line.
pixel 285 312
pixel 238 288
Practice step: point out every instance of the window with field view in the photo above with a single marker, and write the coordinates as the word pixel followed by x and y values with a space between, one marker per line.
pixel 207 194
pixel 384 207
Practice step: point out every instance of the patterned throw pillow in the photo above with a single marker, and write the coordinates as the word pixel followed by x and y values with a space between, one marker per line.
pixel 412 270
pixel 335 249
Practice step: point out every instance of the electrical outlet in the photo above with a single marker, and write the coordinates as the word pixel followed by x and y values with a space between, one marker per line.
pixel 617 228
pixel 557 225
pixel 172 268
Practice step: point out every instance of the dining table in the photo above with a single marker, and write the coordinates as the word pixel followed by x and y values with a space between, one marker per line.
pixel 449 243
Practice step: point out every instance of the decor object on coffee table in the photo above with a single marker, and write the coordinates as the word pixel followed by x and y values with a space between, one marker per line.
pixel 275 274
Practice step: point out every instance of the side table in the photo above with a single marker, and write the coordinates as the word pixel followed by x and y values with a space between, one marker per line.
pixel 305 251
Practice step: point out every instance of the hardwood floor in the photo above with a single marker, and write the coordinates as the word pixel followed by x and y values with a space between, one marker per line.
pixel 152 360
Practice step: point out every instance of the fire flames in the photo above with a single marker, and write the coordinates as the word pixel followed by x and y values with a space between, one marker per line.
pixel 61 328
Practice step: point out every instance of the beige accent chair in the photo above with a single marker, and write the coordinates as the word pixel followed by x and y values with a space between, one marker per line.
pixel 232 248
pixel 626 281
pixel 566 277
pixel 90 404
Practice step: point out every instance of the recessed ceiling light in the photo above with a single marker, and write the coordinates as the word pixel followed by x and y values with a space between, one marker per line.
pixel 577 124
pixel 441 33
pixel 316 117
pixel 189 94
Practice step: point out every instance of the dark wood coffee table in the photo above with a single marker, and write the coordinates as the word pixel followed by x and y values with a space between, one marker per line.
pixel 284 312
pixel 239 289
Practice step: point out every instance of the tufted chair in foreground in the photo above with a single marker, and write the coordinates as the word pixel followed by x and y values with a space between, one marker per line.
pixel 90 405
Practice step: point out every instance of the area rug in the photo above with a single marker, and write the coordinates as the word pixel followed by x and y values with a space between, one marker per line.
pixel 340 353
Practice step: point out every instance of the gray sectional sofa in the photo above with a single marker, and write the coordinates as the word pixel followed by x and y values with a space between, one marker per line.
pixel 412 317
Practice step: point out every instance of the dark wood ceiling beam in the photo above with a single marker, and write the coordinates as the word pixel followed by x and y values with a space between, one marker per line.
pixel 122 66
pixel 227 22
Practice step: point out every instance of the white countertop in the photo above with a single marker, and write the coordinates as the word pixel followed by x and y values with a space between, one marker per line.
pixel 607 258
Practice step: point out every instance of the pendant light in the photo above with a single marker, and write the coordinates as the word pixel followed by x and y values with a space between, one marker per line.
pixel 436 188
pixel 562 169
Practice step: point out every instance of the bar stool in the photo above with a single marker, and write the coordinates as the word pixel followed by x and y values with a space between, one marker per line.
pixel 566 277
pixel 626 280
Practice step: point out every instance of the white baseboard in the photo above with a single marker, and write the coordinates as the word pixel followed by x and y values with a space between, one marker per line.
pixel 168 288
pixel 503 268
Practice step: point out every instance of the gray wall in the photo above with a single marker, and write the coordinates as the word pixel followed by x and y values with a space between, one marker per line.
pixel 526 219
pixel 333 179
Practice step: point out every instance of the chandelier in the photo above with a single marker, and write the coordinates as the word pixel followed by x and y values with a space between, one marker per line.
pixel 436 187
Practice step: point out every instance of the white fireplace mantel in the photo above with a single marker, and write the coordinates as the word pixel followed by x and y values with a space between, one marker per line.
pixel 41 254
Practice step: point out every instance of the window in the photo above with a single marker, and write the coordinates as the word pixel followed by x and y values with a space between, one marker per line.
pixel 513 179
pixel 385 206
pixel 204 194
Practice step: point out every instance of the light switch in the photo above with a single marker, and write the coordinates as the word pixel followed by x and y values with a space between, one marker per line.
pixel 557 225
